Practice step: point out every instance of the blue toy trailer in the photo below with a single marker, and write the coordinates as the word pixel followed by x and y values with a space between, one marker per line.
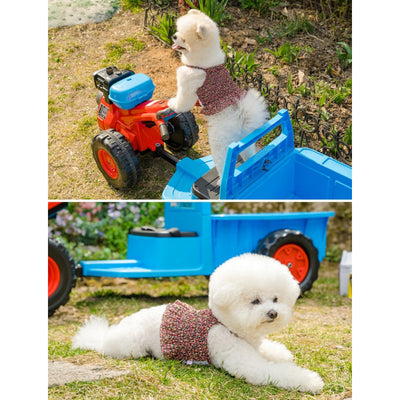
pixel 278 171
pixel 195 242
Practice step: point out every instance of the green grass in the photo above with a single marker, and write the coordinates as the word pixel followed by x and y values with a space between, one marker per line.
pixel 52 108
pixel 319 337
pixel 87 124
pixel 116 50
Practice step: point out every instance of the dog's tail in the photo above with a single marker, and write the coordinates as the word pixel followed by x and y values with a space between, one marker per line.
pixel 91 335
pixel 253 110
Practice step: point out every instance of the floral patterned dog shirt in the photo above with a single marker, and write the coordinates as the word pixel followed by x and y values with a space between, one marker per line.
pixel 184 332
pixel 218 90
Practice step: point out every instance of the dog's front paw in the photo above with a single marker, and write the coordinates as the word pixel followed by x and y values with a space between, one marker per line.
pixel 310 381
pixel 275 351
pixel 172 103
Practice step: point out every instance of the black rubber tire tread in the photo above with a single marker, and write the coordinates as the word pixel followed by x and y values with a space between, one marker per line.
pixel 273 241
pixel 123 155
pixel 185 132
pixel 66 266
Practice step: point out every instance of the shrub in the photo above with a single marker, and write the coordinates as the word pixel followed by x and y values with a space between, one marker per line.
pixel 213 8
pixel 344 54
pixel 262 6
pixel 104 225
pixel 165 27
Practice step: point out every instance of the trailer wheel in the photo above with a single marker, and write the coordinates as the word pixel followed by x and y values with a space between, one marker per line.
pixel 61 276
pixel 295 250
pixel 183 130
pixel 116 159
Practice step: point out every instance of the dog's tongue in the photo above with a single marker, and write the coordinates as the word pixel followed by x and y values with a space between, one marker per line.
pixel 175 47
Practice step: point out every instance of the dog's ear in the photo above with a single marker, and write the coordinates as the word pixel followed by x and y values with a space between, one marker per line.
pixel 201 31
pixel 222 296
pixel 194 11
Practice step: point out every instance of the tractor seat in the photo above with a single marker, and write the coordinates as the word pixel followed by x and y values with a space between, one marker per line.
pixel 207 186
pixel 160 232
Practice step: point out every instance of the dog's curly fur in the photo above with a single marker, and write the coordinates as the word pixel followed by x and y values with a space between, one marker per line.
pixel 197 39
pixel 251 296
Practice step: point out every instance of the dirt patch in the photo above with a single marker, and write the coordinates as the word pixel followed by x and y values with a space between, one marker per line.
pixel 75 52
pixel 62 372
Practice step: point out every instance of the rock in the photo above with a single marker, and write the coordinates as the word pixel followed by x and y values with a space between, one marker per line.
pixel 301 76
pixel 62 372
pixel 253 42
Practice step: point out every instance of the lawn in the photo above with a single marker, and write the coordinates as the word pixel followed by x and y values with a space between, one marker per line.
pixel 319 336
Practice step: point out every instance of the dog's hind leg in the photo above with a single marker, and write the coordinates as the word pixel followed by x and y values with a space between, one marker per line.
pixel 135 336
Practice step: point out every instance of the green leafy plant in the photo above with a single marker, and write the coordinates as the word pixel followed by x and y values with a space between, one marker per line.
pixel 213 8
pixel 290 28
pixel 347 138
pixel 326 94
pixel 344 54
pixel 287 53
pixel 263 40
pixel 303 89
pixel 274 70
pixel 246 61
pixel 334 254
pixel 262 6
pixel 165 28
pixel 289 84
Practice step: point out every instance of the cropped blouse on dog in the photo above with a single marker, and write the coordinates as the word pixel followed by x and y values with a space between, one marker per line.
pixel 218 90
pixel 184 332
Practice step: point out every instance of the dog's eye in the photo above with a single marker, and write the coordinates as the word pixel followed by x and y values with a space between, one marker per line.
pixel 275 300
pixel 256 301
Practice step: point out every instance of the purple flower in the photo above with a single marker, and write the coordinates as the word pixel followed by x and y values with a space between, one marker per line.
pixel 114 214
pixel 159 222
pixel 121 205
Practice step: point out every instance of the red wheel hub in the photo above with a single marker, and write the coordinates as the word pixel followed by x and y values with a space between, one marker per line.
pixel 295 258
pixel 108 164
pixel 53 276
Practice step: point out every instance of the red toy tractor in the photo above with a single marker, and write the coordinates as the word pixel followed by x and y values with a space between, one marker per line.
pixel 132 123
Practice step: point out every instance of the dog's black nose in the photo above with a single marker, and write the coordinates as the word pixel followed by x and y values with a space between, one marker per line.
pixel 272 314
pixel 174 37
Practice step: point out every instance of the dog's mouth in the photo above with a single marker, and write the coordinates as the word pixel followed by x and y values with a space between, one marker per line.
pixel 176 47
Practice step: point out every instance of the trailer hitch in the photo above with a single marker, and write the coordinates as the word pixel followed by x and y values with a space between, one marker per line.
pixel 166 155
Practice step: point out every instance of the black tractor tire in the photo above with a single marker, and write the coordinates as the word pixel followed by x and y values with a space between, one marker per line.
pixel 99 95
pixel 294 250
pixel 183 130
pixel 116 159
pixel 61 276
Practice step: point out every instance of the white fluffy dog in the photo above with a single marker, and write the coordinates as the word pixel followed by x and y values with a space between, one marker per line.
pixel 250 296
pixel 232 113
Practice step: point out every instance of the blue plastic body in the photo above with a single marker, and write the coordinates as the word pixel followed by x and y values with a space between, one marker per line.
pixel 131 91
pixel 278 171
pixel 219 237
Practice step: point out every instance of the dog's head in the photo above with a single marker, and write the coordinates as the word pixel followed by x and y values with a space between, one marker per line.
pixel 253 295
pixel 197 38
